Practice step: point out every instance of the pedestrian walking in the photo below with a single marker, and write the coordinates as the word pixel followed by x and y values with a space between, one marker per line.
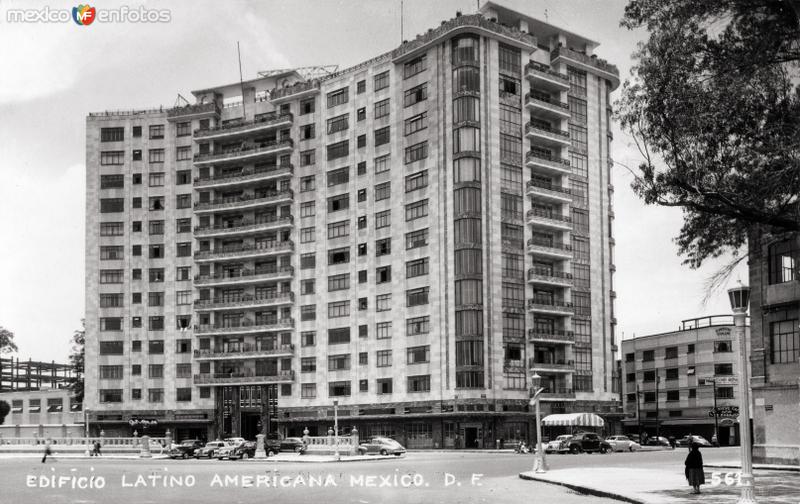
pixel 96 452
pixel 694 468
pixel 47 450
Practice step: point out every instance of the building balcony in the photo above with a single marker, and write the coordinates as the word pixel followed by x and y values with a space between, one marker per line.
pixel 542 105
pixel 245 327
pixel 244 252
pixel 264 122
pixel 295 91
pixel 243 227
pixel 555 366
pixel 243 202
pixel 551 307
pixel 243 378
pixel 193 111
pixel 547 164
pixel 245 176
pixel 591 64
pixel 544 77
pixel 549 220
pixel 244 277
pixel 545 276
pixel 245 301
pixel 244 154
pixel 548 249
pixel 548 192
pixel 557 394
pixel 245 351
pixel 546 137
pixel 551 336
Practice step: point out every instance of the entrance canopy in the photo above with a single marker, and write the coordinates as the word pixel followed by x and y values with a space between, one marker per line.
pixel 574 419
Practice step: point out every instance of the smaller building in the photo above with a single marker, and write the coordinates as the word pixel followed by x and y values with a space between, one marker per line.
pixel 672 383
pixel 42 413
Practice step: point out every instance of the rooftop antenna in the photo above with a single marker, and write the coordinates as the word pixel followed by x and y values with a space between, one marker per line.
pixel 402 33
pixel 546 17
pixel 241 79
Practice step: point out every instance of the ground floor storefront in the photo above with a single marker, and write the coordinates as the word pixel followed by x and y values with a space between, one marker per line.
pixel 185 424
pixel 726 429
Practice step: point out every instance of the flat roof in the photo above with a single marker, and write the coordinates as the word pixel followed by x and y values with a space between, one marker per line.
pixel 536 26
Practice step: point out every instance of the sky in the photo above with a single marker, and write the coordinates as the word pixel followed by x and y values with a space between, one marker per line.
pixel 54 74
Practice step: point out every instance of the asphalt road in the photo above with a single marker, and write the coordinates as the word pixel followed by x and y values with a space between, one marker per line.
pixel 418 477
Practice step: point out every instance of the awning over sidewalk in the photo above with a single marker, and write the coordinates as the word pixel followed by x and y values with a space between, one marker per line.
pixel 574 419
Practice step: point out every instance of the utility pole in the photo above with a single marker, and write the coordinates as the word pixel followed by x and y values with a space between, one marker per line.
pixel 716 416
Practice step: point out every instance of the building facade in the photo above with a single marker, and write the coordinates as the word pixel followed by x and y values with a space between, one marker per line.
pixel 672 382
pixel 405 242
pixel 775 356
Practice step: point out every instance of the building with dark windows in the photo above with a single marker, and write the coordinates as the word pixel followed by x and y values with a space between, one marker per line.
pixel 410 239
pixel 775 357
pixel 672 382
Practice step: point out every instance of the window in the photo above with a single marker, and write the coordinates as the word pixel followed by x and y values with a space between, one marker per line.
pixel 723 369
pixel 156 131
pixel 339 336
pixel 184 201
pixel 110 158
pixel 416 210
pixel 112 205
pixel 383 330
pixel 361 87
pixel 155 299
pixel 338 150
pixel 384 385
pixel 110 395
pixel 418 325
pixel 183 177
pixel 111 253
pixel 155 371
pixel 156 203
pixel 337 203
pixel 156 156
pixel 362 304
pixel 382 164
pixel 383 247
pixel 308 390
pixel 340 176
pixel 155 395
pixel 183 346
pixel 307 158
pixel 649 376
pixel 509 59
pixel 417 355
pixel 338 97
pixel 383 302
pixel 784 341
pixel 183 297
pixel 692 393
pixel 416 239
pixel 307 287
pixel 111 300
pixel 672 373
pixel 183 273
pixel 338 123
pixel 155 347
pixel 111 228
pixel 724 392
pixel 338 309
pixel 417 267
pixel 110 276
pixel 339 256
pixel 183 154
pixel 112 134
pixel 112 181
pixel 156 252
pixel 339 362
pixel 417 181
pixel 381 136
pixel 416 123
pixel 416 297
pixel 339 388
pixel 308 312
pixel 362 195
pixel 383 358
pixel 415 95
pixel 420 383
pixel 383 219
pixel 307 235
pixel 673 395
pixel 136 155
pixel 577 81
pixel 308 338
pixel 111 372
pixel 338 229
pixel 306 106
pixel 578 136
pixel 307 183
pixel 414 66
pixel 577 110
pixel 382 80
pixel 308 261
pixel 690 349
pixel 308 365
pixel 382 109
pixel 362 224
pixel 784 261
pixel 363 332
pixel 383 191
pixel 361 114
pixel 307 209
pixel 630 377
pixel 648 355
pixel 467 109
pixel 416 152
pixel 722 346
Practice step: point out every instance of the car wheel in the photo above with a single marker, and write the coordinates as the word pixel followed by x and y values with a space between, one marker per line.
pixel 298 449
pixel 185 456
pixel 270 453
pixel 384 452
pixel 630 448
pixel 245 456
pixel 574 450
pixel 603 450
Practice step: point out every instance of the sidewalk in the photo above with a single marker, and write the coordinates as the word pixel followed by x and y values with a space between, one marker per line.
pixel 655 486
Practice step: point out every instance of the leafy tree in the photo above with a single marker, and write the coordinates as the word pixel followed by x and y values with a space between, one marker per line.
pixel 714 109
pixel 4 410
pixel 76 358
pixel 7 344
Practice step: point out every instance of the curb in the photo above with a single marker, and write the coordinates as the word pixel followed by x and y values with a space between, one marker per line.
pixel 585 490
pixel 327 461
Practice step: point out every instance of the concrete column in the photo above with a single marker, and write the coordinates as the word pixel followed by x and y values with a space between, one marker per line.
pixel 145 450
pixel 261 453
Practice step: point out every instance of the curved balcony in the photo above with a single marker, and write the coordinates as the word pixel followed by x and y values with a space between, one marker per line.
pixel 559 366
pixel 549 220
pixel 548 164
pixel 243 202
pixel 243 252
pixel 548 249
pixel 245 176
pixel 548 192
pixel 263 123
pixel 193 111
pixel 245 327
pixel 295 91
pixel 245 301
pixel 244 277
pixel 544 77
pixel 244 154
pixel 552 336
pixel 245 351
pixel 546 137
pixel 247 377
pixel 591 64
pixel 545 276
pixel 542 105
pixel 549 307
pixel 557 394
pixel 244 227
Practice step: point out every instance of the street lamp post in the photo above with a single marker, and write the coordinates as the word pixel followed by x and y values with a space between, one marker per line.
pixel 540 463
pixel 336 428
pixel 740 298
pixel 86 430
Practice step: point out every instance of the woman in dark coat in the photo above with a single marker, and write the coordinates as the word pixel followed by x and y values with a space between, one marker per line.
pixel 694 468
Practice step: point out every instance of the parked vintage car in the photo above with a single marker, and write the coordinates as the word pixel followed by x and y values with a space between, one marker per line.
pixel 243 451
pixel 587 442
pixel 381 445
pixel 688 440
pixel 658 441
pixel 185 449
pixel 292 444
pixel 623 443
pixel 210 449
pixel 558 445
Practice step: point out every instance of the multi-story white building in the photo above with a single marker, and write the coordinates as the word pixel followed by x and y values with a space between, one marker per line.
pixel 411 238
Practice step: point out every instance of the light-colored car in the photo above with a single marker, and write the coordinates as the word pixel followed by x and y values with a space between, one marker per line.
pixel 623 443
pixel 688 440
pixel 558 445
pixel 381 445
pixel 210 449
pixel 230 446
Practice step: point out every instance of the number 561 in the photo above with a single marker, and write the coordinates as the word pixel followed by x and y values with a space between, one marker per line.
pixel 728 478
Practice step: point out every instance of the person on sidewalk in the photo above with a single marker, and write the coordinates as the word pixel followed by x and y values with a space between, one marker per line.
pixel 694 468
pixel 47 450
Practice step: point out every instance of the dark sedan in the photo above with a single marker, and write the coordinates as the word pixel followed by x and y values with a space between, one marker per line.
pixel 185 449
pixel 292 444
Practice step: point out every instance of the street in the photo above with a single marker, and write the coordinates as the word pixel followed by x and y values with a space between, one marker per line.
pixel 430 477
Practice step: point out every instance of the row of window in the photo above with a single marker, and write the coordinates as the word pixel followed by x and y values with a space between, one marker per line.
pixel 115 300
pixel 720 346
pixel 154 227
pixel 155 156
pixel 155 322
pixel 154 347
pixel 154 395
pixel 675 395
pixel 116 205
pixel 154 275
pixel 156 132
pixel 419 383
pixel 383 302
pixel 53 405
pixel 723 369
pixel 157 179
pixel 156 371
pixel 342 362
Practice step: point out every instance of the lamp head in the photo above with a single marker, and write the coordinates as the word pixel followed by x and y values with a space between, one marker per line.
pixel 739 297
pixel 536 380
